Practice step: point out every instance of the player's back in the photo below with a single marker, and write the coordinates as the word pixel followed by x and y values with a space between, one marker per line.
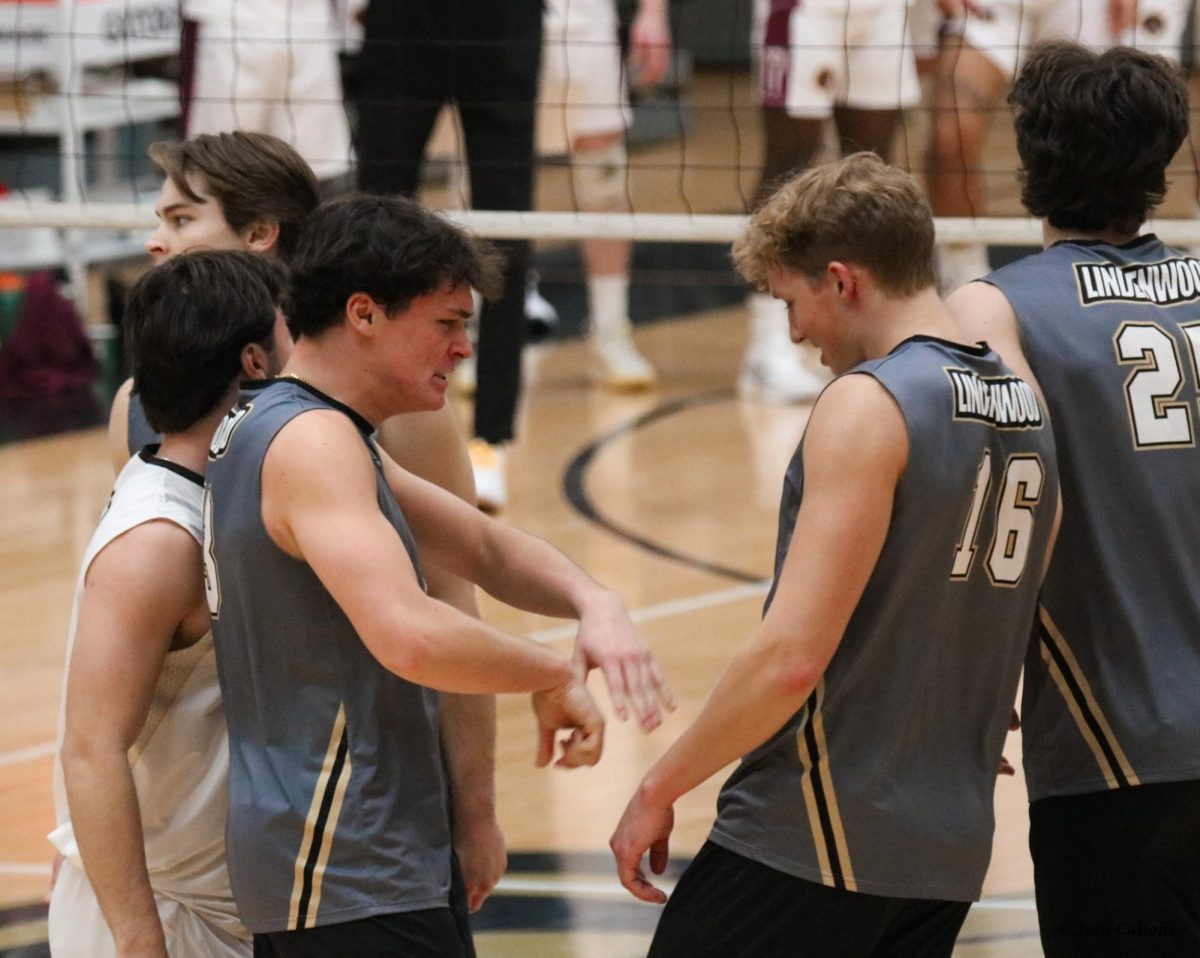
pixel 1113 333
pixel 883 782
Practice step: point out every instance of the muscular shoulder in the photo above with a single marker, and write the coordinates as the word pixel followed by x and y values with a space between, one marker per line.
pixel 856 424
pixel 983 312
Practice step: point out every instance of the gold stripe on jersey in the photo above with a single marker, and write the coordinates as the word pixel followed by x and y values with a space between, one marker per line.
pixel 335 811
pixel 319 829
pixel 820 800
pixel 1082 704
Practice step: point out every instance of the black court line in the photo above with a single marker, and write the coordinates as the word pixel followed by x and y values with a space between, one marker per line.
pixel 574 487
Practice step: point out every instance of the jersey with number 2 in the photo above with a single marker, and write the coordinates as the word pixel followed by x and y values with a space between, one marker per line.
pixel 1111 688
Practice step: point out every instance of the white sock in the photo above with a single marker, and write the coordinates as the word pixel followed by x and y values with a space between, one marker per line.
pixel 768 323
pixel 608 305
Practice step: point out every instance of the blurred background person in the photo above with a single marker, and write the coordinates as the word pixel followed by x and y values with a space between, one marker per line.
pixel 816 62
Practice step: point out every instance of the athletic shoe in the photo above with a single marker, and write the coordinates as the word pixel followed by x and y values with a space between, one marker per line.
pixel 778 379
pixel 540 315
pixel 617 364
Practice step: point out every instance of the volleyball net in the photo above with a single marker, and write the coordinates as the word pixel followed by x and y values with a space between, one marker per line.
pixel 86 85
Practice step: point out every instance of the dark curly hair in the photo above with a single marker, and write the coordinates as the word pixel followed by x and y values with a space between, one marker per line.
pixel 186 323
pixel 389 247
pixel 1095 133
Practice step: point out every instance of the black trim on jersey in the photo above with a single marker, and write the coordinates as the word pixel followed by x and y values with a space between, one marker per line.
pixel 1143 239
pixel 359 420
pixel 318 838
pixel 146 454
pixel 814 755
pixel 1114 766
pixel 972 349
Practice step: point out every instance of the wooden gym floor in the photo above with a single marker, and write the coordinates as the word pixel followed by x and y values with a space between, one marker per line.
pixel 668 496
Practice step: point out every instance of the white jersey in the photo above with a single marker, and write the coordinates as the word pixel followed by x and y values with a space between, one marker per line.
pixel 180 761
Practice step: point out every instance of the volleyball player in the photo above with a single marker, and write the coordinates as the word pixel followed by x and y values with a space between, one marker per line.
pixel 328 647
pixel 1106 319
pixel 871 704
pixel 584 101
pixel 252 191
pixel 142 777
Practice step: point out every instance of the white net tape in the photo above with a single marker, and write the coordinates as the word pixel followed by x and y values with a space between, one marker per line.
pixel 648 227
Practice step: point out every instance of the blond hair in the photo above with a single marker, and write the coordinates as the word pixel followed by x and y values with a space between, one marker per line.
pixel 855 210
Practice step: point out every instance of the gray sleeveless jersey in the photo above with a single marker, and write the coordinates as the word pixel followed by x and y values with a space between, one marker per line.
pixel 883 782
pixel 1111 687
pixel 139 433
pixel 337 804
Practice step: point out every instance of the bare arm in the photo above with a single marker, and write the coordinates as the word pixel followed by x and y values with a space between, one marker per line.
pixel 118 427
pixel 1121 16
pixel 528 573
pixel 985 315
pixel 855 450
pixel 650 43
pixel 330 519
pixel 430 445
pixel 137 592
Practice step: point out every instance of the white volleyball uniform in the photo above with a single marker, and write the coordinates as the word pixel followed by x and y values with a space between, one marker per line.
pixel 1007 29
pixel 582 88
pixel 271 66
pixel 180 764
pixel 820 54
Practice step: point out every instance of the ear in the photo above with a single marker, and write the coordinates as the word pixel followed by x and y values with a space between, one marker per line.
pixel 361 313
pixel 255 362
pixel 843 279
pixel 261 236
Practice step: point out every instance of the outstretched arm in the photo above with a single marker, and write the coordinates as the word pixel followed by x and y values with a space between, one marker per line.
pixel 330 518
pixel 528 573
pixel 855 450
pixel 137 592
pixel 430 445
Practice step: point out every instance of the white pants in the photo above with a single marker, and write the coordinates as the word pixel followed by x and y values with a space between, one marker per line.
pixel 582 89
pixel 1010 27
pixel 247 78
pixel 814 56
pixel 78 930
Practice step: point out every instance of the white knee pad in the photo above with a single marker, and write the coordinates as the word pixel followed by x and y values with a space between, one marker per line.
pixel 598 175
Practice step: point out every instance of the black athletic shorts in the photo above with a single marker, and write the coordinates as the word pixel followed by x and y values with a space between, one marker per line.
pixel 727 906
pixel 430 933
pixel 1117 873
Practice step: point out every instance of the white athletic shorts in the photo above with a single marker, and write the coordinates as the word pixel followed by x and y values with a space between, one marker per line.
pixel 78 930
pixel 1011 27
pixel 582 88
pixel 247 79
pixel 813 56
